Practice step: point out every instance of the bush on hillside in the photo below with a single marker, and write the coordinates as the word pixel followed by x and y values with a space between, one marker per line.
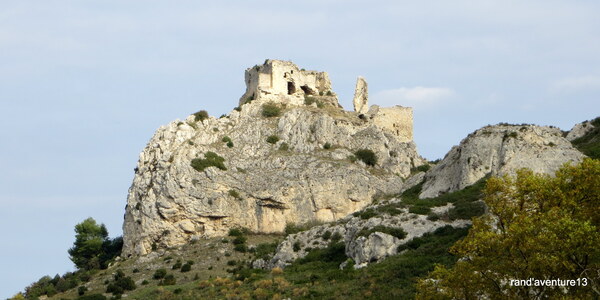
pixel 367 156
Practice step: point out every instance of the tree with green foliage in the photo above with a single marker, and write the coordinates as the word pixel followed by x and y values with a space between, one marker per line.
pixel 201 116
pixel 539 226
pixel 92 248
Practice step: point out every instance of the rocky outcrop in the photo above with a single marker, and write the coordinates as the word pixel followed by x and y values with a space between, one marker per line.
pixel 361 96
pixel 579 130
pixel 365 240
pixel 295 167
pixel 498 150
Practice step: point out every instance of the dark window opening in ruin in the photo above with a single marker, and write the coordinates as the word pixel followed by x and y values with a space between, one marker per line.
pixel 291 88
pixel 291 71
pixel 307 90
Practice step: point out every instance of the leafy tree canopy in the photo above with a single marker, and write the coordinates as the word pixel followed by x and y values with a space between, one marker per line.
pixel 538 226
pixel 92 248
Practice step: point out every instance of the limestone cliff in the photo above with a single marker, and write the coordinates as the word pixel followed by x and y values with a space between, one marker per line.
pixel 495 150
pixel 292 166
pixel 498 150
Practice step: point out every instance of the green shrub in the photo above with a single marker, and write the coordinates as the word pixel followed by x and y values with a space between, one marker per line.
pixel 145 282
pixel 420 210
pixel 297 246
pixel 395 232
pixel 421 168
pixel 264 250
pixel 231 262
pixel 120 284
pixel 390 209
pixel 201 115
pixel 327 146
pixel 186 268
pixel 326 235
pixel 433 217
pixel 468 194
pixel 239 240
pixel 237 108
pixel 335 252
pixel 336 237
pixel 366 214
pixel 367 156
pixel 466 210
pixel 177 265
pixel 513 135
pixel 159 274
pixel 284 146
pixel 309 100
pixel 168 280
pixel 235 232
pixel 210 159
pixel 241 248
pixel 81 290
pixel 270 110
pixel 230 144
pixel 272 139
pixel 226 139
pixel 234 194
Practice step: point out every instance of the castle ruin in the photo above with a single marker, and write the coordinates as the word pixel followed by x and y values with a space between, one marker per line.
pixel 283 82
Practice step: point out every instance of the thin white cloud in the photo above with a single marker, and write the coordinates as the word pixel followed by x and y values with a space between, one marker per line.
pixel 576 84
pixel 417 97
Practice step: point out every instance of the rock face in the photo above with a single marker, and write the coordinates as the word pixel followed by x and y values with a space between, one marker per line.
pixel 579 130
pixel 498 150
pixel 361 96
pixel 363 243
pixel 304 172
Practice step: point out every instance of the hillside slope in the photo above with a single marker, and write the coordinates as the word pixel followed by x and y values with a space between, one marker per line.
pixel 274 160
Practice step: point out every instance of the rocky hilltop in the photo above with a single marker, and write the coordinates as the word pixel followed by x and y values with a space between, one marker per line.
pixel 351 208
pixel 498 150
pixel 428 202
pixel 288 154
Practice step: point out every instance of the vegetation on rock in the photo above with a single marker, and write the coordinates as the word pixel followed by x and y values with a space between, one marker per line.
pixel 210 159
pixel 367 156
pixel 270 110
pixel 201 116
pixel 540 227
pixel 589 144
pixel 272 139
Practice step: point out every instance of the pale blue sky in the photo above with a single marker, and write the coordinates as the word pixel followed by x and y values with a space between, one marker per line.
pixel 84 84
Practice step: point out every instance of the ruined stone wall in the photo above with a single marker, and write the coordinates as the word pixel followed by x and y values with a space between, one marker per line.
pixel 278 80
pixel 397 119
